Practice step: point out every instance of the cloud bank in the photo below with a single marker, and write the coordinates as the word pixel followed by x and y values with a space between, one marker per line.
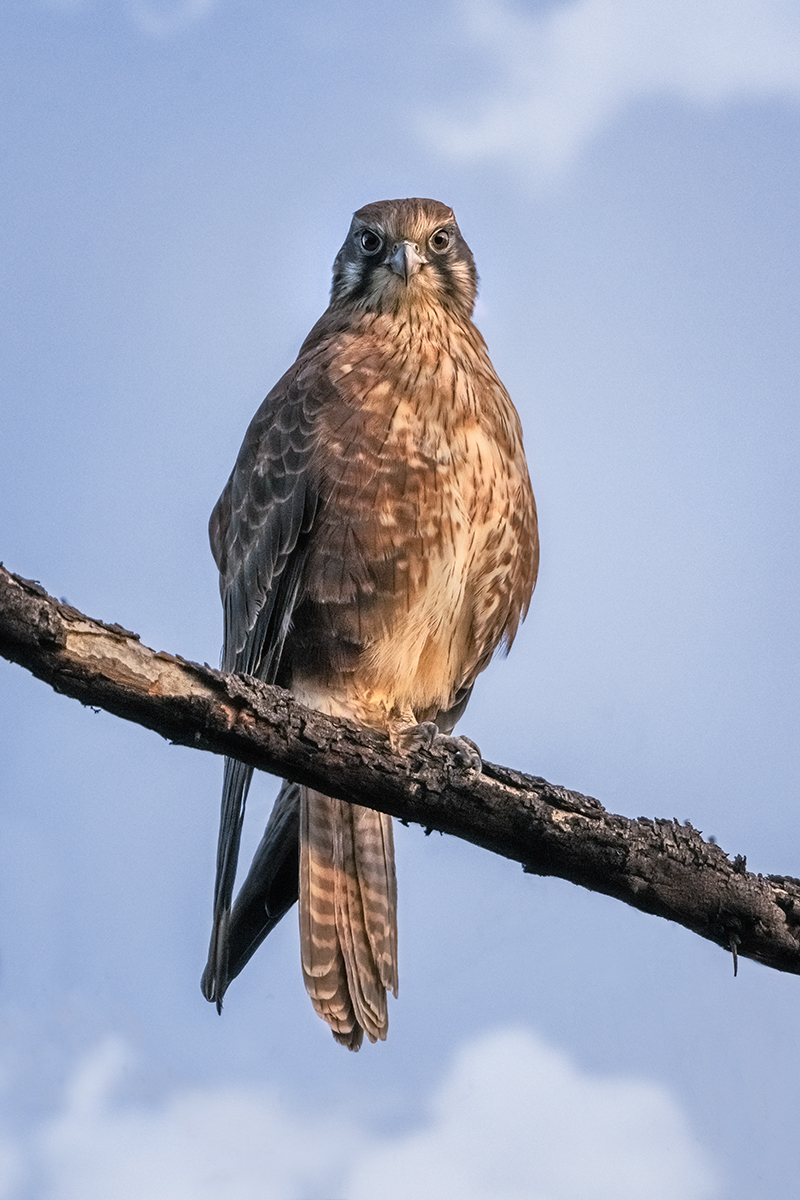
pixel 514 1119
pixel 567 73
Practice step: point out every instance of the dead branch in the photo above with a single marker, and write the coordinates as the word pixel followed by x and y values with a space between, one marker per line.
pixel 658 866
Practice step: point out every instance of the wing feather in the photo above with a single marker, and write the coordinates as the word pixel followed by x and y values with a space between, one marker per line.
pixel 259 538
pixel 263 517
pixel 271 886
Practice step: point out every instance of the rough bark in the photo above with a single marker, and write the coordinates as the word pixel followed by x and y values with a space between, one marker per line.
pixel 659 866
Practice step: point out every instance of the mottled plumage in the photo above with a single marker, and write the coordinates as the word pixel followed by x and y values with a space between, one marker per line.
pixel 376 543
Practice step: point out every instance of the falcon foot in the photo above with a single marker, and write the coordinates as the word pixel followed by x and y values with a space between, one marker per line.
pixel 468 756
pixel 427 734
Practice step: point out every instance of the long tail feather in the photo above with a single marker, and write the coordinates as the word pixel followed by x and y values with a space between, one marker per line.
pixel 348 923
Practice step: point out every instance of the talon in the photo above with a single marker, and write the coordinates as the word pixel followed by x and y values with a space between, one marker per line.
pixel 414 737
pixel 467 753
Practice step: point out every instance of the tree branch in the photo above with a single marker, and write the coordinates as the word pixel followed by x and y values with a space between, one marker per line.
pixel 658 866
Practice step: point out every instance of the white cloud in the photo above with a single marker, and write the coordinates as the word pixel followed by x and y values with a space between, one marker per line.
pixel 513 1120
pixel 517 1120
pixel 162 19
pixel 224 1143
pixel 567 73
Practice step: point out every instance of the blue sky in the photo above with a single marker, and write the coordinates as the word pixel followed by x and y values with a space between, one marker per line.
pixel 176 181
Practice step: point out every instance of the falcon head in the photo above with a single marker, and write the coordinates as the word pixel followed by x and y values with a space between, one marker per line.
pixel 400 253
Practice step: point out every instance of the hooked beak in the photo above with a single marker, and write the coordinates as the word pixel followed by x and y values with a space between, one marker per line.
pixel 406 260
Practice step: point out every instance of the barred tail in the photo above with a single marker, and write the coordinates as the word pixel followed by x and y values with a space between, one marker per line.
pixel 348 915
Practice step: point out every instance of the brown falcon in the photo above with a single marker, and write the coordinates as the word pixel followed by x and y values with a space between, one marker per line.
pixel 376 544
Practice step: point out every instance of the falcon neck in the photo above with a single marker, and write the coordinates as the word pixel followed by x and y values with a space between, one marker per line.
pixel 418 331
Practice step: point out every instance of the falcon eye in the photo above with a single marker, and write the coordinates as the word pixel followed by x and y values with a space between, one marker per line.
pixel 370 242
pixel 440 240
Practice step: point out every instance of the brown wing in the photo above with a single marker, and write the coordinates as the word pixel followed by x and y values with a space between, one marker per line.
pixel 258 526
pixel 259 535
